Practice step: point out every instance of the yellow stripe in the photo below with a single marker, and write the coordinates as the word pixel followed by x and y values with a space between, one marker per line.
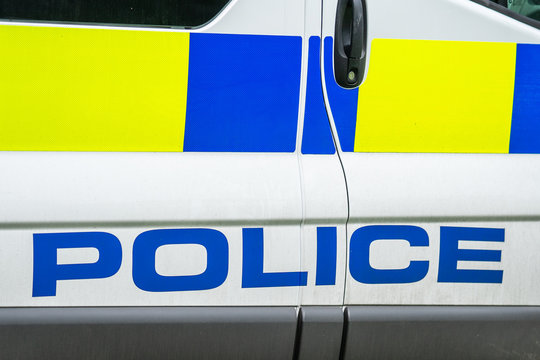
pixel 66 89
pixel 437 96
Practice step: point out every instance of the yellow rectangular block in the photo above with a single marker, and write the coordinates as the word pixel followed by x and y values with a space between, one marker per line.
pixel 74 89
pixel 436 96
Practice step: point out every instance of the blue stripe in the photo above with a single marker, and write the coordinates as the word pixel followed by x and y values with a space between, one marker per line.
pixel 525 135
pixel 243 93
pixel 317 137
pixel 343 102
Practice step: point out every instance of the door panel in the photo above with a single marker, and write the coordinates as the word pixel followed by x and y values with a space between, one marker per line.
pixel 427 143
pixel 151 165
pixel 323 186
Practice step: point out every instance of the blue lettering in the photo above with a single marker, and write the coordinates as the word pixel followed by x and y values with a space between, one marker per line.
pixel 326 256
pixel 361 241
pixel 253 275
pixel 146 244
pixel 47 271
pixel 450 254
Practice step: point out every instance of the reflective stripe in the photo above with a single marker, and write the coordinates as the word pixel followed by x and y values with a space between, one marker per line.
pixel 436 96
pixel 343 102
pixel 74 89
pixel 525 137
pixel 317 137
pixel 244 93
pixel 441 97
pixel 71 89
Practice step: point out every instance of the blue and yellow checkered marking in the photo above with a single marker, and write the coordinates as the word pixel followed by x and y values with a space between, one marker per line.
pixel 441 97
pixel 80 89
pixel 71 89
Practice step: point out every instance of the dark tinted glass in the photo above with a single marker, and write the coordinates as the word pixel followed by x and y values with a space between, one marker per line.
pixel 529 8
pixel 136 12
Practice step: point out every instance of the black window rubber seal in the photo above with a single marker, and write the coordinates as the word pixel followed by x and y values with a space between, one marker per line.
pixel 193 26
pixel 499 8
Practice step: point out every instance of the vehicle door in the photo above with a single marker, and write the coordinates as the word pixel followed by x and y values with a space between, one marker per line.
pixel 150 161
pixel 434 105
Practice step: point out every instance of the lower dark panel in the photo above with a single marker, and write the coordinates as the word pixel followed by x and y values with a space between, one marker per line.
pixel 148 333
pixel 440 332
pixel 320 334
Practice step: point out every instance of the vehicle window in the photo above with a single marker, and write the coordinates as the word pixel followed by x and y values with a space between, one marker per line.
pixel 183 13
pixel 528 8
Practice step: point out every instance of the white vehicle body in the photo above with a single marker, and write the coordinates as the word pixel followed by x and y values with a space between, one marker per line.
pixel 334 225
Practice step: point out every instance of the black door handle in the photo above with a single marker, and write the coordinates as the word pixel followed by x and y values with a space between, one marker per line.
pixel 350 46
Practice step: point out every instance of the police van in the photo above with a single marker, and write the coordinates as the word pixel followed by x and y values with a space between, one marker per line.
pixel 270 179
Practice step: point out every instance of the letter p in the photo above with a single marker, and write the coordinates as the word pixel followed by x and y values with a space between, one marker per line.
pixel 47 271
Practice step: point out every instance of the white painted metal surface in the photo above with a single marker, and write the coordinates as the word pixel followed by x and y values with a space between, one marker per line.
pixel 126 194
pixel 288 195
pixel 433 190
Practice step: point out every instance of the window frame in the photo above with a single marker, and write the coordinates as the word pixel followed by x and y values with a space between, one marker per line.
pixel 503 10
pixel 120 25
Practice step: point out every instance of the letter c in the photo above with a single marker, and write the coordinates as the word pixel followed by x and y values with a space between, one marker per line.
pixel 361 241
